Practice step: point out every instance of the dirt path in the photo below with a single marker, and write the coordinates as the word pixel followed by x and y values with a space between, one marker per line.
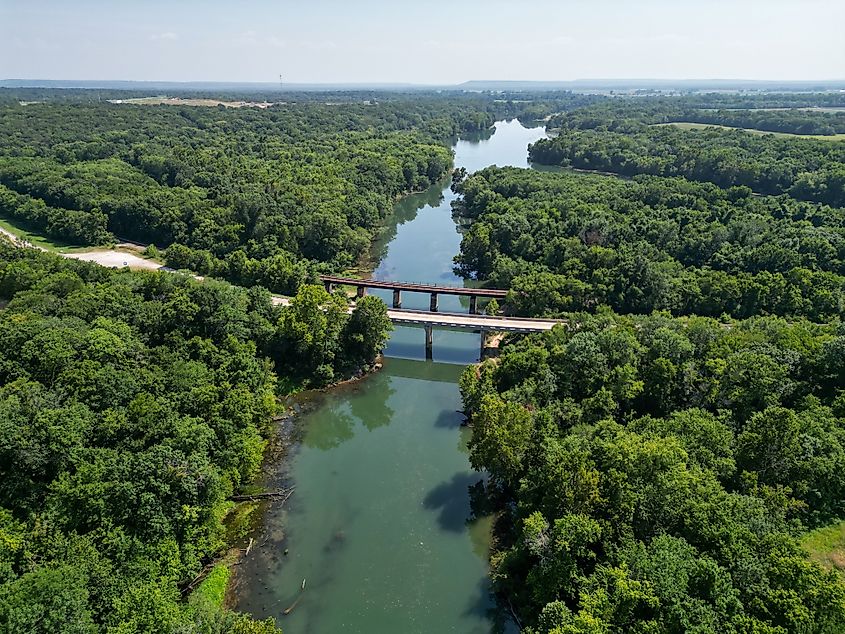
pixel 114 259
pixel 105 257
pixel 18 241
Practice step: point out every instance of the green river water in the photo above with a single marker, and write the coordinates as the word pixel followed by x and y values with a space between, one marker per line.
pixel 380 525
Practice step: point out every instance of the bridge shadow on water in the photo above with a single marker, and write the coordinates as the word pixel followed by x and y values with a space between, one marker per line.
pixel 451 348
pixel 423 370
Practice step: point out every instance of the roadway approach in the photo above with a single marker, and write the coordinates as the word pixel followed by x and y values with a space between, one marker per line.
pixel 428 320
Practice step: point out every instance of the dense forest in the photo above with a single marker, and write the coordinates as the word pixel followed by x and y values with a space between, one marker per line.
pixel 654 461
pixel 821 115
pixel 806 169
pixel 611 140
pixel 567 242
pixel 253 196
pixel 657 459
pixel 654 473
pixel 132 407
pixel 267 197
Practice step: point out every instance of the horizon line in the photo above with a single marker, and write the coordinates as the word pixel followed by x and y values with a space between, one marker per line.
pixel 416 83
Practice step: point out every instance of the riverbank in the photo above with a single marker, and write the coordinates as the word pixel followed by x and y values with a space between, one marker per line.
pixel 382 526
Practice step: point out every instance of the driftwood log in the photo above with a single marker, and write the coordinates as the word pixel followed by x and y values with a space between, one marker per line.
pixel 284 494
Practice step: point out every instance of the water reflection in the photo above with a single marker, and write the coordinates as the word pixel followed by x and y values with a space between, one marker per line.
pixel 374 413
pixel 331 430
pixel 406 211
pixel 449 500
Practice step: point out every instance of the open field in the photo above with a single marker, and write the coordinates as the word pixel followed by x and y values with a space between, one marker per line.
pixel 685 125
pixel 178 101
pixel 827 546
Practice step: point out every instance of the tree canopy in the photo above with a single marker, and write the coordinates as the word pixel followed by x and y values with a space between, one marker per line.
pixel 567 241
pixel 655 473
pixel 132 407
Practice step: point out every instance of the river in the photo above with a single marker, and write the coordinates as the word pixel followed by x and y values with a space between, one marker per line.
pixel 380 525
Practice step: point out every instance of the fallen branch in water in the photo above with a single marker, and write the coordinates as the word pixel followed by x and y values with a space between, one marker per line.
pixel 284 494
pixel 513 614
pixel 298 599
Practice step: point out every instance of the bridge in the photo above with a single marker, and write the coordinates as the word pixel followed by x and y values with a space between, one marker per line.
pixel 330 281
pixel 484 324
pixel 461 321
pixel 432 318
pixel 427 320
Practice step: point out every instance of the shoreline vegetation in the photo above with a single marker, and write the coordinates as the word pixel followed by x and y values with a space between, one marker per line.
pixel 673 426
pixel 224 513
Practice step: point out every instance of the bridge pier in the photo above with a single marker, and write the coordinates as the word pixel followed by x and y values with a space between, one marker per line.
pixel 473 304
pixel 362 291
pixel 429 342
pixel 397 298
pixel 433 306
pixel 483 345
pixel 329 287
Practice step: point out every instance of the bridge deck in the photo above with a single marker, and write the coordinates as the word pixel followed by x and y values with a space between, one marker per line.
pixel 415 287
pixel 463 321
pixel 458 321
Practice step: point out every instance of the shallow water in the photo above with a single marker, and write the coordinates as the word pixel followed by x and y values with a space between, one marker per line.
pixel 380 525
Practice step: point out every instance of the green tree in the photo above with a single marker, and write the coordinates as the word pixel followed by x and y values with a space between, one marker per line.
pixel 366 332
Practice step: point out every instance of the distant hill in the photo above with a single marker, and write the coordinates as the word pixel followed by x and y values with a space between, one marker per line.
pixel 655 84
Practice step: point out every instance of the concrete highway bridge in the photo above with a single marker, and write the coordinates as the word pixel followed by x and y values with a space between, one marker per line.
pixel 431 319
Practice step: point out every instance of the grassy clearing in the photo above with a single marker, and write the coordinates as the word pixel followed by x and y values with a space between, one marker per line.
pixel 827 546
pixel 41 241
pixel 683 125
pixel 212 590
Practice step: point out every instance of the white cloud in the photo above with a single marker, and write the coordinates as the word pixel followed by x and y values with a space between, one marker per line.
pixel 167 36
pixel 249 39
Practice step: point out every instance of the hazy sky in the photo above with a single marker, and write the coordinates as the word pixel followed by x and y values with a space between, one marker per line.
pixel 422 41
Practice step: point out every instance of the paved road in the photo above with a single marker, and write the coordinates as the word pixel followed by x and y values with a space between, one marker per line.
pixel 461 321
pixel 471 322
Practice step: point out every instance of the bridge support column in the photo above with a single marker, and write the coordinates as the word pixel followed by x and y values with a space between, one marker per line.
pixel 362 291
pixel 329 287
pixel 483 345
pixel 434 302
pixel 397 298
pixel 473 305
pixel 429 343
